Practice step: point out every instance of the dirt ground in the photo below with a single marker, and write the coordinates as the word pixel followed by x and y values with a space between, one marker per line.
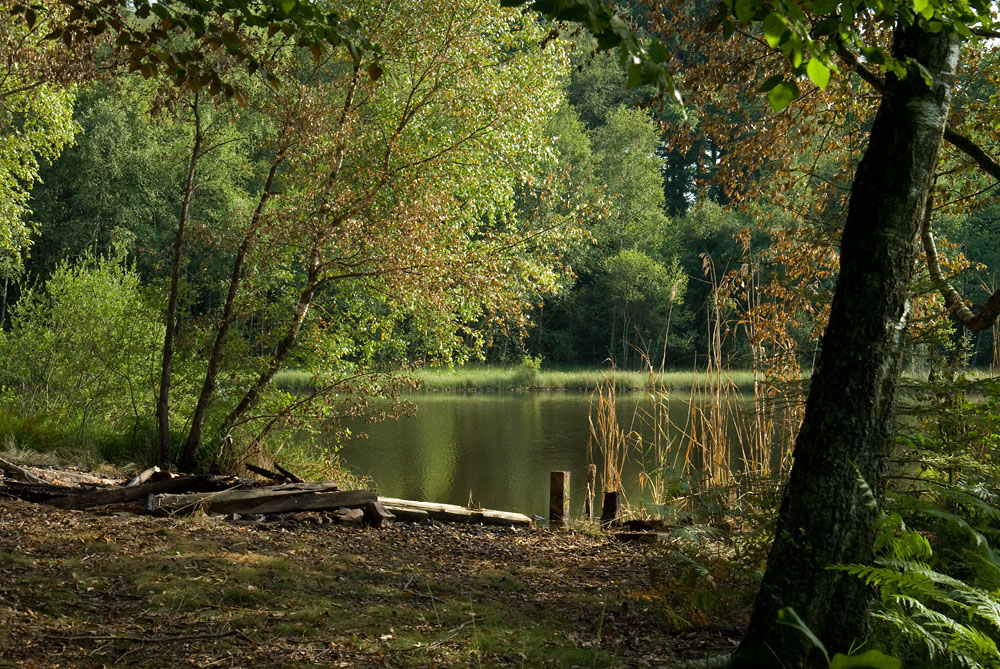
pixel 79 589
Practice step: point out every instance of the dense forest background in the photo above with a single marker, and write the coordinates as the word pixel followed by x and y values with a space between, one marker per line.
pixel 481 199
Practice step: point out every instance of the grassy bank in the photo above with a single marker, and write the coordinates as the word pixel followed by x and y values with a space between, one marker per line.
pixel 527 377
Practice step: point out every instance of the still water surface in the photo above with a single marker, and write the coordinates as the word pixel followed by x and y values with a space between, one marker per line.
pixel 495 449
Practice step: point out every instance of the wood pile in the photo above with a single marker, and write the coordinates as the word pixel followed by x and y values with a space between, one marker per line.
pixel 162 493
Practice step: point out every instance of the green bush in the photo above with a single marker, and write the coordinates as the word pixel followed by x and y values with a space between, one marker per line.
pixel 83 349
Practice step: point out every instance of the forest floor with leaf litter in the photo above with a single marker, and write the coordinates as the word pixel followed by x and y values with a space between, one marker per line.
pixel 84 590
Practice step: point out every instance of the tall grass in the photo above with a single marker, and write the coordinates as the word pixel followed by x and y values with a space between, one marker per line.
pixel 738 427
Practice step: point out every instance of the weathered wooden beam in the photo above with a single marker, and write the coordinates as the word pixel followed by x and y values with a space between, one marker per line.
pixel 86 500
pixel 268 499
pixel 405 514
pixel 309 501
pixel 453 513
pixel 558 499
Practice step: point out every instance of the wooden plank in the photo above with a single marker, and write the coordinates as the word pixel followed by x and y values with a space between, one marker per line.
pixel 310 501
pixel 93 498
pixel 266 499
pixel 558 499
pixel 453 513
pixel 406 514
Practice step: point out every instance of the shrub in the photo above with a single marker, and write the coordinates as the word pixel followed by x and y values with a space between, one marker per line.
pixel 83 348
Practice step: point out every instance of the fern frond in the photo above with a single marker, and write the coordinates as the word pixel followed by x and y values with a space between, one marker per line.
pixel 960 525
pixel 960 637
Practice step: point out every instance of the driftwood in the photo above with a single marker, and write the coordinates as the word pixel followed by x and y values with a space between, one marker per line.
pixel 453 513
pixel 287 474
pixel 263 500
pixel 19 473
pixel 144 476
pixel 127 493
pixel 157 474
pixel 228 495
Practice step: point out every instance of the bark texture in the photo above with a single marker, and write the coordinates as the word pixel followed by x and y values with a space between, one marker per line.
pixel 827 516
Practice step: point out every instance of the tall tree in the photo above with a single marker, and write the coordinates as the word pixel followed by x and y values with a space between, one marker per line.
pixel 401 187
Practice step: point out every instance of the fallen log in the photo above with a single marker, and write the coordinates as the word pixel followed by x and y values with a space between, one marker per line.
pixel 452 513
pixel 19 473
pixel 263 500
pixel 86 500
pixel 36 492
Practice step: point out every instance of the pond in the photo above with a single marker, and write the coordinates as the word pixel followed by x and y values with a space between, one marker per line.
pixel 495 450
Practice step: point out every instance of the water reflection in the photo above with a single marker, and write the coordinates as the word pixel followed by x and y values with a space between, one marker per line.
pixel 495 449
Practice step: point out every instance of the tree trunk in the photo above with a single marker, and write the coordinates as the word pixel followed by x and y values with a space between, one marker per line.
pixel 842 452
pixel 163 398
pixel 189 459
pixel 254 393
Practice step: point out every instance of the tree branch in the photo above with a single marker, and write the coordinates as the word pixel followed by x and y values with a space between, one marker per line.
pixel 952 300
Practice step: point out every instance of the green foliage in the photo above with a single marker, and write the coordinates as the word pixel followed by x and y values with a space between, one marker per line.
pixel 644 60
pixel 937 570
pixel 82 348
pixel 942 618
pixel 36 124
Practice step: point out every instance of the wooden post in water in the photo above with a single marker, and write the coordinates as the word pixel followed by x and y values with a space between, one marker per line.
pixel 588 504
pixel 611 508
pixel 558 499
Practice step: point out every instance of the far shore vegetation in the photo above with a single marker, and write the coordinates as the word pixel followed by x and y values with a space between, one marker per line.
pixel 530 376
